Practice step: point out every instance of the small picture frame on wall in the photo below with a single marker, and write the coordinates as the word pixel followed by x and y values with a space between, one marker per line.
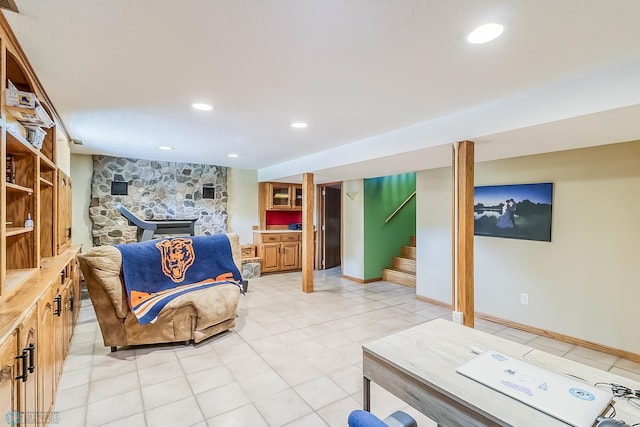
pixel 521 211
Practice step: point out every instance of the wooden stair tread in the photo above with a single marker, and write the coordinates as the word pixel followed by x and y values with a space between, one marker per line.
pixel 404 258
pixel 400 277
pixel 403 264
pixel 408 252
pixel 400 270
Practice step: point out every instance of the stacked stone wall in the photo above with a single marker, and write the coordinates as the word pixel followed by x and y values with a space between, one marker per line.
pixel 156 191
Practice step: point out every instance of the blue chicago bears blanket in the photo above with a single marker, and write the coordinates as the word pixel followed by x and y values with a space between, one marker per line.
pixel 157 271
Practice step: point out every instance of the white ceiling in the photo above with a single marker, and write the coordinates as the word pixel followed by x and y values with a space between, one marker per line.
pixel 385 85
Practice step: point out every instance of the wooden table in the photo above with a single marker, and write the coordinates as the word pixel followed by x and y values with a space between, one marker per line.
pixel 418 365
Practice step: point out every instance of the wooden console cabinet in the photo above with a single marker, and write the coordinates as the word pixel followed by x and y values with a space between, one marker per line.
pixel 278 251
pixel 36 326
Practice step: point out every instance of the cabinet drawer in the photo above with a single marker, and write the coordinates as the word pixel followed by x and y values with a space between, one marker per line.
pixel 268 238
pixel 291 237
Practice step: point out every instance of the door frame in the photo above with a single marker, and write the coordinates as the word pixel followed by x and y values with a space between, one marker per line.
pixel 320 209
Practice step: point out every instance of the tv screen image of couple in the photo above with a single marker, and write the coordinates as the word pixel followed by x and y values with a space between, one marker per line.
pixel 520 211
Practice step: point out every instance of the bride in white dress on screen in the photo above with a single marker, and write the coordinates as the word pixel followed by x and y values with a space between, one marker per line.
pixel 506 219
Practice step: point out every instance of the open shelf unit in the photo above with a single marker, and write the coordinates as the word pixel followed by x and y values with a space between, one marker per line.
pixel 39 272
pixel 30 182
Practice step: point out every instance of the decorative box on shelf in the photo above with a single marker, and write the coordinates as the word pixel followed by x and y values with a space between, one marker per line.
pixel 18 98
pixel 35 135
pixel 11 169
pixel 25 107
pixel 248 251
pixel 37 116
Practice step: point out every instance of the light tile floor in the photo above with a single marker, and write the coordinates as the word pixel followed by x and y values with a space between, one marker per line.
pixel 293 359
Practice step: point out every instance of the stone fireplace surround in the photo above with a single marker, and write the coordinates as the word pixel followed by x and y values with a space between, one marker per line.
pixel 157 190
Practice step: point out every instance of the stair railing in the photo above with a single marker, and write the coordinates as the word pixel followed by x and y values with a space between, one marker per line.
pixel 400 207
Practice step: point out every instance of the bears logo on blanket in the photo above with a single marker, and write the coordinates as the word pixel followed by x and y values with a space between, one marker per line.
pixel 177 256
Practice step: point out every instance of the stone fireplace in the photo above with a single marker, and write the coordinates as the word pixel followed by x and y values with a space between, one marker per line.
pixel 155 190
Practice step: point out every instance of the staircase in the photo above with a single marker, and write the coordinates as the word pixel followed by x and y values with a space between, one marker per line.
pixel 403 267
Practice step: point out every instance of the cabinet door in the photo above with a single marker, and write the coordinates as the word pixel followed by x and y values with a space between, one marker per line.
pixel 46 353
pixel 28 385
pixel 279 196
pixel 59 343
pixel 296 191
pixel 269 257
pixel 289 259
pixel 77 297
pixel 64 212
pixel 67 316
pixel 8 402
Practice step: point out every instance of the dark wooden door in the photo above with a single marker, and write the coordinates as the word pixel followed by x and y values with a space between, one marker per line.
pixel 332 225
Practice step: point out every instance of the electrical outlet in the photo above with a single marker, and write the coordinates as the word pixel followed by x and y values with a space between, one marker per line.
pixel 458 317
pixel 524 299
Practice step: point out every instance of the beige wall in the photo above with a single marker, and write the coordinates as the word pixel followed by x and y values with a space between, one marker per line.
pixel 63 156
pixel 433 234
pixel 585 282
pixel 353 229
pixel 242 185
pixel 242 205
pixel 81 170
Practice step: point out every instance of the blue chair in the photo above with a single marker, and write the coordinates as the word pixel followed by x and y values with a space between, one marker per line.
pixel 360 418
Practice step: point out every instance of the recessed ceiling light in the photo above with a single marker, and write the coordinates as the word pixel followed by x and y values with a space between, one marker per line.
pixel 202 107
pixel 485 33
pixel 233 155
pixel 165 147
pixel 298 125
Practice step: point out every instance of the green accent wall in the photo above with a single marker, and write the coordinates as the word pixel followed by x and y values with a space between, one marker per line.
pixel 382 241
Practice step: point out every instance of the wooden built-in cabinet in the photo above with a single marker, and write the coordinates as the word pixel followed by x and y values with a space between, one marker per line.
pixel 36 326
pixel 278 251
pixel 282 195
pixel 31 182
pixel 283 198
pixel 39 274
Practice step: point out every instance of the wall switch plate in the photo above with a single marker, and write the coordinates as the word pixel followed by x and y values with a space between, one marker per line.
pixel 524 299
pixel 458 317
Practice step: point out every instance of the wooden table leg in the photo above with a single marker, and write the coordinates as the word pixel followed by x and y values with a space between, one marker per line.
pixel 366 394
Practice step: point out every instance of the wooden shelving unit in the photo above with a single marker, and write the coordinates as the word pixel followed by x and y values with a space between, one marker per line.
pixel 46 182
pixel 34 178
pixel 14 231
pixel 39 274
pixel 19 188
